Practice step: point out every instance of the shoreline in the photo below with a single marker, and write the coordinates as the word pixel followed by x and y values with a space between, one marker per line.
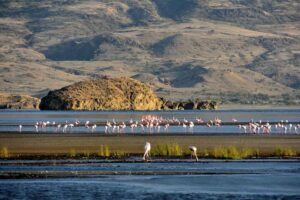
pixel 219 107
pixel 43 146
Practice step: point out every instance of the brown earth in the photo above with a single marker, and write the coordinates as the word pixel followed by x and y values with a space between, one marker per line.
pixel 18 102
pixel 61 144
pixel 230 51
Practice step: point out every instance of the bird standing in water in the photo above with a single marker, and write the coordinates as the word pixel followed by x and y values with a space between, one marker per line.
pixel 193 152
pixel 147 151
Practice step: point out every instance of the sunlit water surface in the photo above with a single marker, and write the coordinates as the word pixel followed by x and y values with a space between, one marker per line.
pixel 259 180
pixel 10 120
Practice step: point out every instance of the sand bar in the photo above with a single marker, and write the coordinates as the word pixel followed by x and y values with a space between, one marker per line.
pixel 56 144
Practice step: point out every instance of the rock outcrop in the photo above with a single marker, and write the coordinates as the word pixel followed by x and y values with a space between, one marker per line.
pixel 189 105
pixel 8 101
pixel 103 94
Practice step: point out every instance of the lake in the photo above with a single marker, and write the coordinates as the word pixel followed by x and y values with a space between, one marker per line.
pixel 207 179
pixel 11 119
pixel 262 179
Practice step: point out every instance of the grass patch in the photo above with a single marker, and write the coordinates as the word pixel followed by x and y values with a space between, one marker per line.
pixel 86 154
pixel 103 151
pixel 72 153
pixel 167 150
pixel 4 152
pixel 233 152
pixel 119 154
pixel 284 152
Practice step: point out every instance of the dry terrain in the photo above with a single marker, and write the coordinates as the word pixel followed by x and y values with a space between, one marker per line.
pixel 229 50
pixel 57 144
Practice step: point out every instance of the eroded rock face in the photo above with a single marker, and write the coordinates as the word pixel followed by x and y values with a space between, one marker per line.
pixel 189 105
pixel 103 94
pixel 18 102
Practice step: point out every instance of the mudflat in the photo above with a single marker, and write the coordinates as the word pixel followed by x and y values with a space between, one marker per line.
pixel 58 144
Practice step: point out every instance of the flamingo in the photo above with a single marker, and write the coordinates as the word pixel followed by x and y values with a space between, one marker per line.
pixel 191 126
pixel 147 151
pixel 166 127
pixel 193 150
pixel 58 127
pixel 36 128
pixel 94 127
pixel 87 124
pixel 65 128
pixel 142 127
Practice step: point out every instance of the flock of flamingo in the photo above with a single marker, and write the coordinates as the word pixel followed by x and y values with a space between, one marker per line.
pixel 158 124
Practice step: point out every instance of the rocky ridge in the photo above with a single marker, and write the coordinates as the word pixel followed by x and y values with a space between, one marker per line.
pixel 18 102
pixel 103 94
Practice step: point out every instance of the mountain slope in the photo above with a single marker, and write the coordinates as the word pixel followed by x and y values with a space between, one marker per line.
pixel 229 50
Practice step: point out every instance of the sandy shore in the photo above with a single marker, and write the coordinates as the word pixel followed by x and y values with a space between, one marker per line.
pixel 58 144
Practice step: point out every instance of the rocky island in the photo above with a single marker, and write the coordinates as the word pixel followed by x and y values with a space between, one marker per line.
pixel 103 94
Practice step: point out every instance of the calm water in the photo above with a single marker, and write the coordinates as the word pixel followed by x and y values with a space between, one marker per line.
pixel 9 120
pixel 244 180
pixel 261 180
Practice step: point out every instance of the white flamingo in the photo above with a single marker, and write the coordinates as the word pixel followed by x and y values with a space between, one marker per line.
pixel 94 127
pixel 36 128
pixel 147 151
pixel 193 150
pixel 191 126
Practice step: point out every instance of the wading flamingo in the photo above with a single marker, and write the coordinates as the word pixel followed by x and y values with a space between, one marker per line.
pixel 147 151
pixel 193 152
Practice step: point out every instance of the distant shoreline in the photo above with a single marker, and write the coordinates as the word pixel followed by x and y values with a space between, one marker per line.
pixel 258 106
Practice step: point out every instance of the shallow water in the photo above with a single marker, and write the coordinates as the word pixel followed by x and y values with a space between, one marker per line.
pixel 260 180
pixel 9 119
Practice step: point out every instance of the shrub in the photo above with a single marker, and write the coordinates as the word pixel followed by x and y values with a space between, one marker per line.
pixel 246 153
pixel 219 152
pixel 86 154
pixel 106 151
pixel 256 153
pixel 72 153
pixel 103 151
pixel 119 154
pixel 284 152
pixel 167 150
pixel 4 152
pixel 233 153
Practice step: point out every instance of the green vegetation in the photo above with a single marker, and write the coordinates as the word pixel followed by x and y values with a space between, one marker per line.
pixel 86 154
pixel 72 153
pixel 104 151
pixel 4 153
pixel 284 152
pixel 232 152
pixel 119 154
pixel 175 150
pixel 167 150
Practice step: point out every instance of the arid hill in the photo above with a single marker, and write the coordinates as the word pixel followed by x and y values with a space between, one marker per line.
pixel 103 94
pixel 233 51
pixel 18 102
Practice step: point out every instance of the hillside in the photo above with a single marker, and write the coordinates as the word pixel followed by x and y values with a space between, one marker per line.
pixel 245 51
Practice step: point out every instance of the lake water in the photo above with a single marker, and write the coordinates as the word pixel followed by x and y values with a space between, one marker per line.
pixel 249 180
pixel 10 120
pixel 252 179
